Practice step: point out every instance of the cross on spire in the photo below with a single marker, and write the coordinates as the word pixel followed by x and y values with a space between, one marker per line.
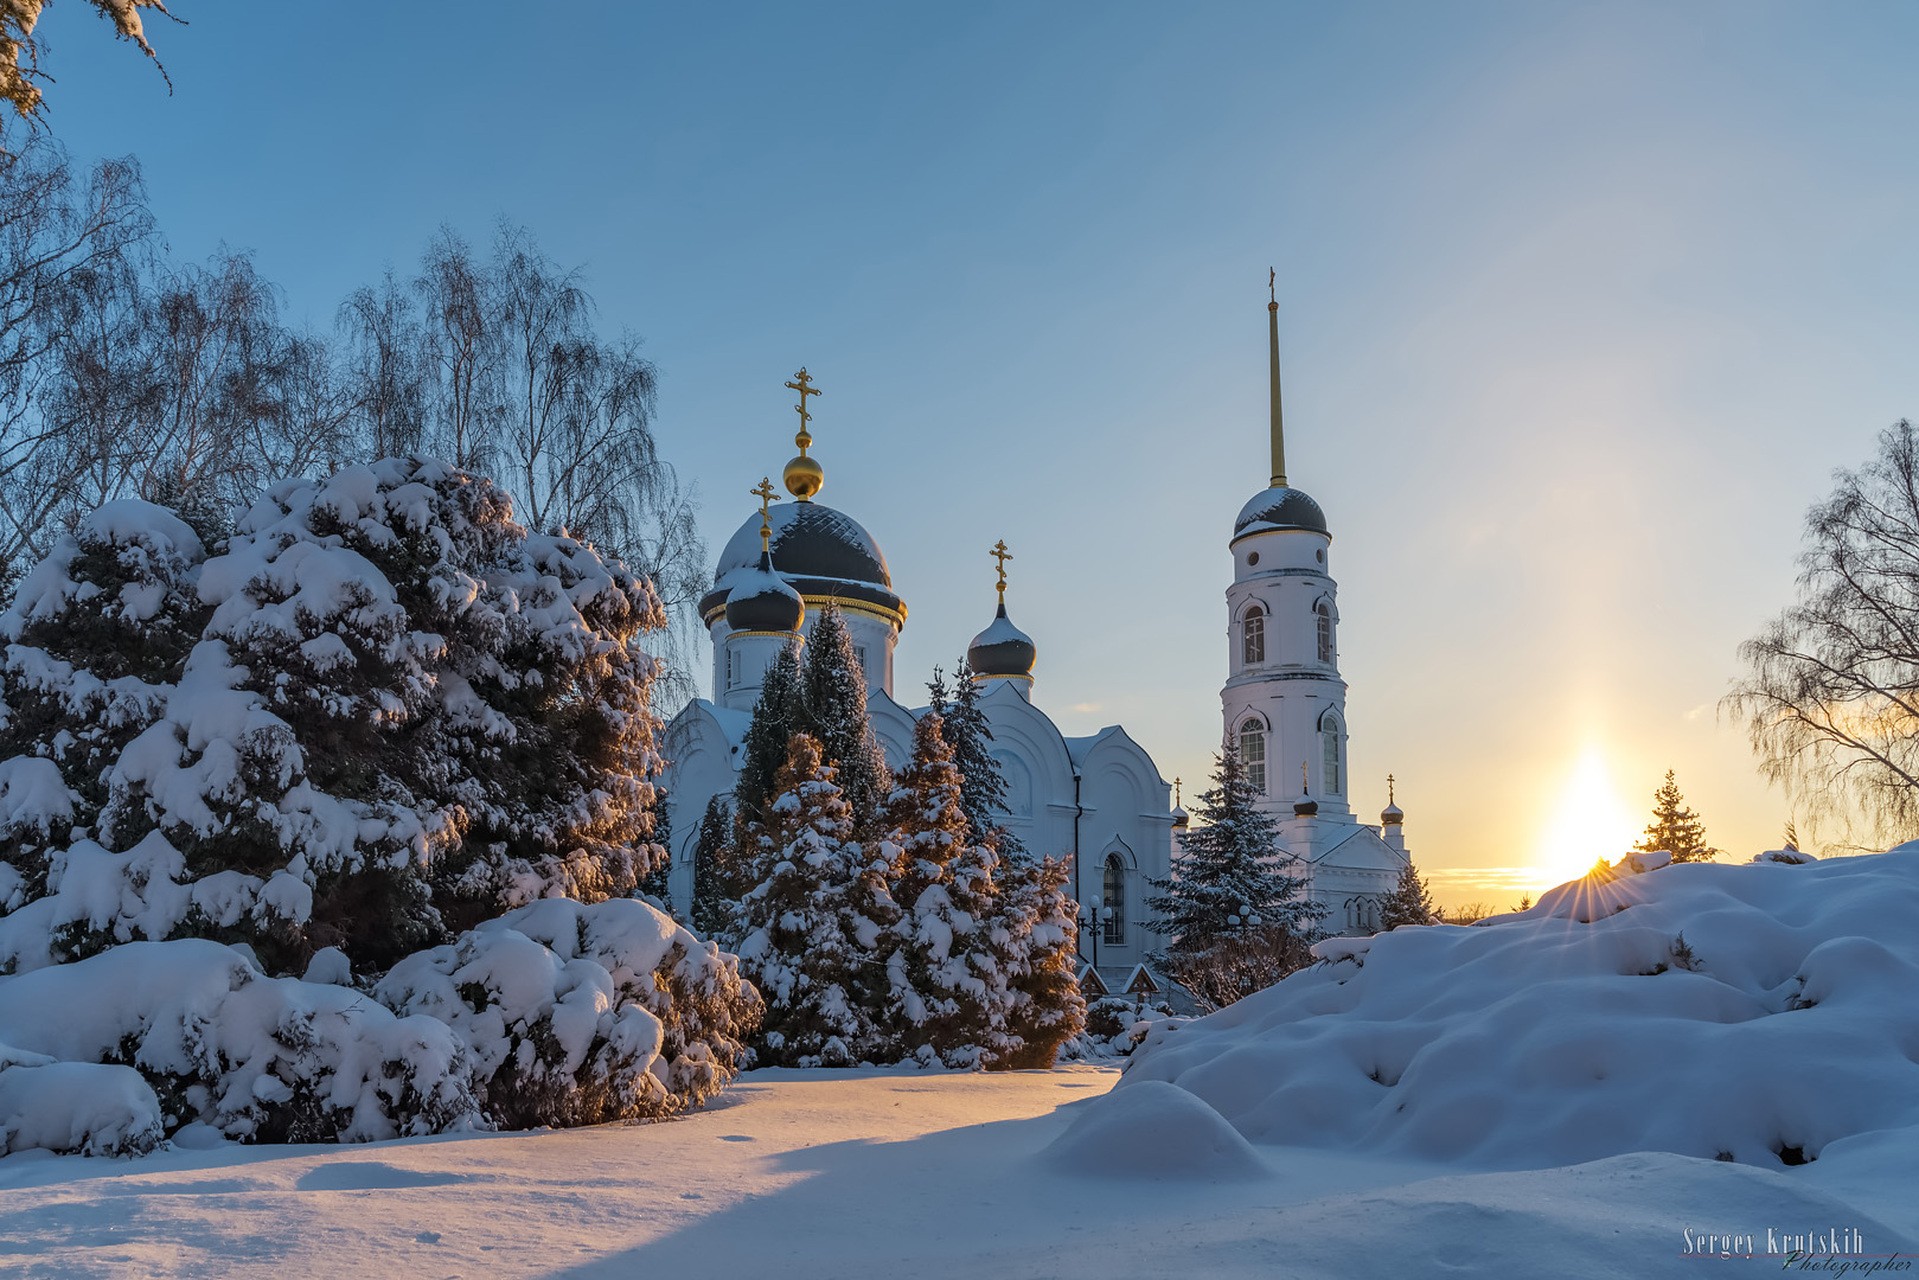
pixel 764 492
pixel 1001 554
pixel 803 383
pixel 1304 790
pixel 1176 800
pixel 1389 790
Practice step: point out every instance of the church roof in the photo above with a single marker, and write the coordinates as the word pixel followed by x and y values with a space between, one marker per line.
pixel 1279 507
pixel 817 550
pixel 760 600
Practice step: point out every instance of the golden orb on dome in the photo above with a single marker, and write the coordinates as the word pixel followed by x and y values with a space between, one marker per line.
pixel 804 477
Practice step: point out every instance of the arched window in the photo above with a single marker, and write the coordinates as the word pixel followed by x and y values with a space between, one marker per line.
pixel 1115 894
pixel 1323 615
pixel 1252 752
pixel 1252 637
pixel 1332 775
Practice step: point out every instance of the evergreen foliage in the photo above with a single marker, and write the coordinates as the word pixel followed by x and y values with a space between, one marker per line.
pixel 1236 908
pixel 833 690
pixel 1675 828
pixel 1041 921
pixel 778 714
pixel 384 713
pixel 716 880
pixel 1410 902
pixel 949 982
pixel 982 785
pixel 810 928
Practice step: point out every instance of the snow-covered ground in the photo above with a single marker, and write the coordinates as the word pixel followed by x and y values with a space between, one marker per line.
pixel 1574 1091
pixel 878 1173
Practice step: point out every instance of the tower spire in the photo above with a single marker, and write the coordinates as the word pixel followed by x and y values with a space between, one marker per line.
pixel 1279 421
pixel 803 475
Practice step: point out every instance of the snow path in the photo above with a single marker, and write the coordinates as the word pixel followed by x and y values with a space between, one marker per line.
pixel 881 1173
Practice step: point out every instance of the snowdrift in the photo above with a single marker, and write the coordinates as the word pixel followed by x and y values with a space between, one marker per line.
pixel 1752 1013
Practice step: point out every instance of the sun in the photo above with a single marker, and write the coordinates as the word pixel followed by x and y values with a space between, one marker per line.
pixel 1591 821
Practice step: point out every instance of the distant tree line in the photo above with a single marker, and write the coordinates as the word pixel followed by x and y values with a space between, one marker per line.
pixel 127 373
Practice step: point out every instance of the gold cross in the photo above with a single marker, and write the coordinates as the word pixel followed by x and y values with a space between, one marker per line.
pixel 764 492
pixel 1001 554
pixel 1175 793
pixel 803 383
pixel 1389 789
pixel 1303 789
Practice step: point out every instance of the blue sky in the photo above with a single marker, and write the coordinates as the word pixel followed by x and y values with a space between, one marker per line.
pixel 1582 305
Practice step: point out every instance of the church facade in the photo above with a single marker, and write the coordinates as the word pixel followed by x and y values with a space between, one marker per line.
pixel 1096 800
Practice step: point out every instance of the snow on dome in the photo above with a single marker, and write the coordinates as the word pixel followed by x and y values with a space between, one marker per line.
pixel 1002 649
pixel 817 550
pixel 1279 507
pixel 761 601
pixel 1707 1010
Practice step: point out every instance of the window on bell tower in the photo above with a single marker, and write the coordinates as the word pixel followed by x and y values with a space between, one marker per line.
pixel 1323 617
pixel 1252 752
pixel 1331 779
pixel 1252 639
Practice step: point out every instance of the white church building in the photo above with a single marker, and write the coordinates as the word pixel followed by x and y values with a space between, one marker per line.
pixel 1096 800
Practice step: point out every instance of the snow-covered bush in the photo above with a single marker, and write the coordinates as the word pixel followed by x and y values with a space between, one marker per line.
pixel 1742 1012
pixel 1116 1026
pixel 384 713
pixel 578 1014
pixel 217 1041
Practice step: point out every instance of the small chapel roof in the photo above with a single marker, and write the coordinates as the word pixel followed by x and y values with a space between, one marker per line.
pixel 1279 507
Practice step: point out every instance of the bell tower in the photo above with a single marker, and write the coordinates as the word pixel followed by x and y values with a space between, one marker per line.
pixel 1284 701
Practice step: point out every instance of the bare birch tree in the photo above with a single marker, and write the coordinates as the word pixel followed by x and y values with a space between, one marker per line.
pixel 1831 697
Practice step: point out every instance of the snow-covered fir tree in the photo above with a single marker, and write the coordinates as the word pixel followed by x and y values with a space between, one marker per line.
pixel 715 875
pixel 1675 828
pixel 982 785
pixel 1236 910
pixel 810 930
pixel 1039 919
pixel 834 692
pixel 1410 902
pixel 778 714
pixel 383 714
pixel 950 995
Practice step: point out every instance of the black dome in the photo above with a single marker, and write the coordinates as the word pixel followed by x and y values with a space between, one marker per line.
pixel 1002 649
pixel 818 551
pixel 761 601
pixel 1280 507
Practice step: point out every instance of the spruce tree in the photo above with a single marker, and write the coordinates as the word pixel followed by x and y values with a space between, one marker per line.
pixel 1410 902
pixel 716 877
pixel 949 993
pixel 833 689
pixel 1675 828
pixel 1236 909
pixel 812 925
pixel 778 714
pixel 1036 919
pixel 982 785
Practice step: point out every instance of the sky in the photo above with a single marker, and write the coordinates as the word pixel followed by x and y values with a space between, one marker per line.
pixel 1582 306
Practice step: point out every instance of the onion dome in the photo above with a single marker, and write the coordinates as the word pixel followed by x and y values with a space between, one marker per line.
pixel 761 601
pixel 1392 815
pixel 1305 807
pixel 1279 507
pixel 818 551
pixel 1002 649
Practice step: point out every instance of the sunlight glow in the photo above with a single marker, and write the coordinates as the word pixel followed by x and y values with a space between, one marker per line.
pixel 1591 821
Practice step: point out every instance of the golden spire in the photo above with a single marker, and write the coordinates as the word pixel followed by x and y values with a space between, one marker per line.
pixel 764 492
pixel 1304 790
pixel 803 475
pixel 1279 422
pixel 1001 554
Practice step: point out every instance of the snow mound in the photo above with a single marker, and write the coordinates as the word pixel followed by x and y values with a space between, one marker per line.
pixel 1706 1010
pixel 77 1107
pixel 1154 1131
